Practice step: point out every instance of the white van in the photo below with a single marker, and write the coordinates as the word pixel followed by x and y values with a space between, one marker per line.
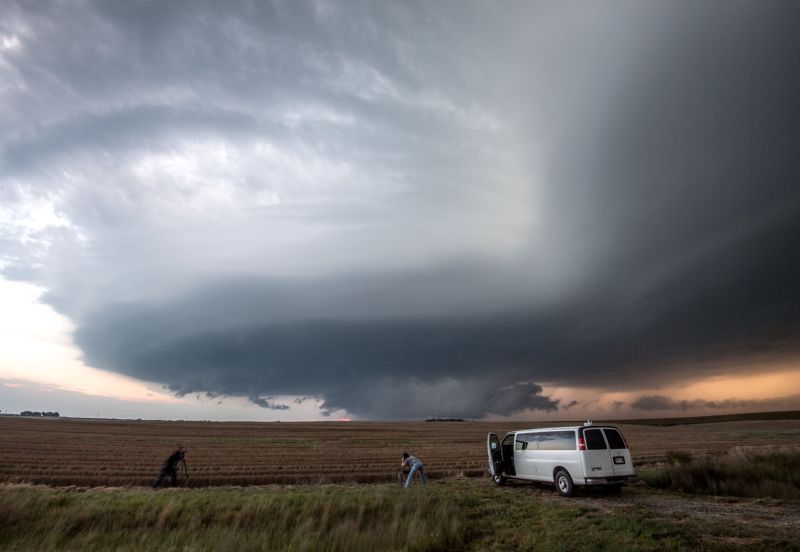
pixel 567 456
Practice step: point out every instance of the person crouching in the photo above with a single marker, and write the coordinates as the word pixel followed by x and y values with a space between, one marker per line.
pixel 170 468
pixel 416 466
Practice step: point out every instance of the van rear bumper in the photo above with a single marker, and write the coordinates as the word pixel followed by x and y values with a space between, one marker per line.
pixel 617 480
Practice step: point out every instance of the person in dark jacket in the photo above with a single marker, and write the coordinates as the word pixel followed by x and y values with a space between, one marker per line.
pixel 170 468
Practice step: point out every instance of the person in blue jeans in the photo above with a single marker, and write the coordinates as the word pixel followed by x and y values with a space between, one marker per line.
pixel 416 466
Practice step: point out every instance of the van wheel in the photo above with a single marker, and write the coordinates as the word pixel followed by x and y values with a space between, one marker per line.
pixel 499 480
pixel 564 483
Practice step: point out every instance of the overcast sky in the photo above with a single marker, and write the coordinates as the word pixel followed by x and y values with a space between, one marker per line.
pixel 399 210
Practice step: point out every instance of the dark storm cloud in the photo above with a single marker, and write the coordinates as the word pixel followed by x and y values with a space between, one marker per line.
pixel 257 336
pixel 439 207
pixel 660 402
pixel 267 403
pixel 250 337
pixel 415 399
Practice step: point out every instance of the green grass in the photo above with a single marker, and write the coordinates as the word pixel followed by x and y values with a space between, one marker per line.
pixel 515 520
pixel 306 518
pixel 455 514
pixel 740 473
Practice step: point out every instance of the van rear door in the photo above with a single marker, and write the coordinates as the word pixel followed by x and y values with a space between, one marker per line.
pixel 620 455
pixel 495 454
pixel 596 458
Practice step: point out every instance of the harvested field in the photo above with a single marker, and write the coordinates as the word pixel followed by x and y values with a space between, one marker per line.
pixel 79 452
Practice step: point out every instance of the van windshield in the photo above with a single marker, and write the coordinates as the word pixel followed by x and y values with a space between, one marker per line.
pixel 615 440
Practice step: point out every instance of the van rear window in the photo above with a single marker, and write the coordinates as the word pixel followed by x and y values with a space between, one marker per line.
pixel 556 440
pixel 594 439
pixel 615 440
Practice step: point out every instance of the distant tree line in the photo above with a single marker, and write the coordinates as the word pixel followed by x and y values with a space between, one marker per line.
pixel 445 420
pixel 29 413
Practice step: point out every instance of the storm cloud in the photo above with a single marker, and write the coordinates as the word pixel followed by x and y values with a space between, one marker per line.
pixel 408 210
pixel 660 402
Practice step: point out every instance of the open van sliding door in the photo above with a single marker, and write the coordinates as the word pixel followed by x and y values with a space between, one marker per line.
pixel 495 458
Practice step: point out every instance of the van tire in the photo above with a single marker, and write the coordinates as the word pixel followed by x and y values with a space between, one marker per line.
pixel 499 480
pixel 563 483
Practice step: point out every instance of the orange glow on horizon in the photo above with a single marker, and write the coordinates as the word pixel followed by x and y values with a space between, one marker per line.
pixel 782 383
pixel 755 386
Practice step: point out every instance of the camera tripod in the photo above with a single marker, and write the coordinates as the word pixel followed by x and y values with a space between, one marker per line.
pixel 185 469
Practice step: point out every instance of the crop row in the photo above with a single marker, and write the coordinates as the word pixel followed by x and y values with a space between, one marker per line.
pixel 102 452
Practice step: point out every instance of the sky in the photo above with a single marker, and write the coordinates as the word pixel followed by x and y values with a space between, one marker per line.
pixel 320 210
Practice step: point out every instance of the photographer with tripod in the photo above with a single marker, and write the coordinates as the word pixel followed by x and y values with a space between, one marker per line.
pixel 170 468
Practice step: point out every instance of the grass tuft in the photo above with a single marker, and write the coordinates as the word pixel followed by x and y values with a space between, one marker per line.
pixel 678 457
pixel 747 473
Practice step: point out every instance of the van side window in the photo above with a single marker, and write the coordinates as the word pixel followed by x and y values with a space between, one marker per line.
pixel 594 439
pixel 525 441
pixel 615 440
pixel 557 440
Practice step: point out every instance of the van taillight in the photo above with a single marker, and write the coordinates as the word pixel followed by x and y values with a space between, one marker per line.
pixel 581 443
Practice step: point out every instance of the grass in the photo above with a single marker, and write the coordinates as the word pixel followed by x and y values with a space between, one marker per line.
pixel 678 457
pixel 741 473
pixel 515 520
pixel 307 518
pixel 455 514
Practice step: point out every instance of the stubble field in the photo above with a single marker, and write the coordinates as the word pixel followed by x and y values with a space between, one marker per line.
pixel 287 486
pixel 64 452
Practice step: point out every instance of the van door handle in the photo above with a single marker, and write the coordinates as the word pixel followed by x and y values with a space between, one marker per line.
pixel 597 469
